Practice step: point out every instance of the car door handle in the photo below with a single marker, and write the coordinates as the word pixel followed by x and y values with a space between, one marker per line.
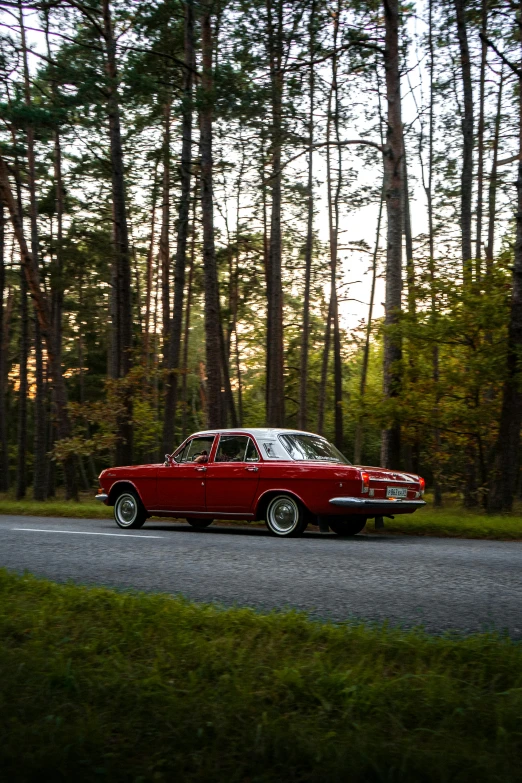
pixel 201 470
pixel 252 470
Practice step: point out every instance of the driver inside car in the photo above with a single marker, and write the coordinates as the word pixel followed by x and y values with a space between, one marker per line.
pixel 203 457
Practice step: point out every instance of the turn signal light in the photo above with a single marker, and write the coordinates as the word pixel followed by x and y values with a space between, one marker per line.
pixel 365 482
pixel 422 485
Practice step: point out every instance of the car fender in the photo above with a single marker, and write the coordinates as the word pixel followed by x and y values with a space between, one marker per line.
pixel 264 498
pixel 114 490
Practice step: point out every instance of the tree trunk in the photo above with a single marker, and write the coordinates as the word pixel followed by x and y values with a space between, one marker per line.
pixel 23 348
pixel 164 246
pixel 56 283
pixel 359 428
pixel 493 180
pixel 265 215
pixel 174 347
pixel 21 461
pixel 275 413
pixel 40 428
pixel 506 467
pixel 155 352
pixel 39 456
pixel 437 491
pixel 121 358
pixel 230 407
pixel 393 171
pixel 43 311
pixel 239 381
pixel 266 265
pixel 467 140
pixel 333 222
pixel 410 449
pixel 408 240
pixel 149 274
pixel 233 277
pixel 4 457
pixel 305 333
pixel 215 415
pixel 324 370
pixel 51 440
pixel 480 139
pixel 186 334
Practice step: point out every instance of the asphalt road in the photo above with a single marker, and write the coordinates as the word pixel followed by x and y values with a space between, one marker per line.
pixel 442 584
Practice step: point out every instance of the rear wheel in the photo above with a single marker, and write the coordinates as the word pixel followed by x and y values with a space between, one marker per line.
pixel 128 510
pixel 285 517
pixel 199 522
pixel 347 526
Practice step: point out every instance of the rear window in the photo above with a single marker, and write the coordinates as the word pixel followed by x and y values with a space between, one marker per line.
pixel 311 447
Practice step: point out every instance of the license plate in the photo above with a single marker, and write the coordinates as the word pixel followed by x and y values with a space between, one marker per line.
pixel 396 492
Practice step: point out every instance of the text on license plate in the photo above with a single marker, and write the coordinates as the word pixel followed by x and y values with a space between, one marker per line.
pixel 396 492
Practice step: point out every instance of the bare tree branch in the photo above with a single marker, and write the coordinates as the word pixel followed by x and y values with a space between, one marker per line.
pixel 503 57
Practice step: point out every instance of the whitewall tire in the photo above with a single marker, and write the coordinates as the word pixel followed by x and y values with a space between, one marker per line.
pixel 285 517
pixel 129 513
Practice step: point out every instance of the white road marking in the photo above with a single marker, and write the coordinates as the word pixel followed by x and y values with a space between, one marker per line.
pixel 82 532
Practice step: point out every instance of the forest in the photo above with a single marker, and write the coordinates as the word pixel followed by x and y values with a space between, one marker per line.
pixel 194 196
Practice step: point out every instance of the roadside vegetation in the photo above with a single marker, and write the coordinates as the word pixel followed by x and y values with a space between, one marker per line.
pixel 103 685
pixel 85 508
pixel 456 522
pixel 452 520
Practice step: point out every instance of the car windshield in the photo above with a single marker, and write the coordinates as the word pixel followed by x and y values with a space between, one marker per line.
pixel 311 447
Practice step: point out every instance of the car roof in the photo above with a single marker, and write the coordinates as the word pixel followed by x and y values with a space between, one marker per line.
pixel 257 432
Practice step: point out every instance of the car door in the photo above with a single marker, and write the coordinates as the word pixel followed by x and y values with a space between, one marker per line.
pixel 181 484
pixel 233 475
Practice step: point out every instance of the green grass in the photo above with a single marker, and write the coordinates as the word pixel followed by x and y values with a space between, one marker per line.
pixel 455 522
pixel 98 685
pixel 451 521
pixel 86 508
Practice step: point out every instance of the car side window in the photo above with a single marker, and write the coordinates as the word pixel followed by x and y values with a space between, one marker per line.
pixel 196 450
pixel 232 448
pixel 251 452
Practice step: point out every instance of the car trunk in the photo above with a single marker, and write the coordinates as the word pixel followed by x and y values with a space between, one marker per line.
pixel 392 483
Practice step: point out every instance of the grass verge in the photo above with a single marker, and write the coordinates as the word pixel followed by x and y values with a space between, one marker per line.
pixel 86 508
pixel 101 685
pixel 454 522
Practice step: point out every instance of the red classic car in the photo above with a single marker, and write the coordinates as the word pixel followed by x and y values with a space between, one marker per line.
pixel 286 477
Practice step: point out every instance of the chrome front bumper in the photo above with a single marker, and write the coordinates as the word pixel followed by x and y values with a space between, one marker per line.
pixel 102 496
pixel 382 506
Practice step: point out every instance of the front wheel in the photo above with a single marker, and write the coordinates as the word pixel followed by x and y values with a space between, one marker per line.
pixel 347 526
pixel 199 523
pixel 285 517
pixel 128 511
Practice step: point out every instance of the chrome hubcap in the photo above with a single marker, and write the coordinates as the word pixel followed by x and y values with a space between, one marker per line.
pixel 283 515
pixel 126 510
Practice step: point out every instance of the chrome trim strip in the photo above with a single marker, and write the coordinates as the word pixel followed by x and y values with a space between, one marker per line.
pixel 377 503
pixel 394 481
pixel 102 496
pixel 194 512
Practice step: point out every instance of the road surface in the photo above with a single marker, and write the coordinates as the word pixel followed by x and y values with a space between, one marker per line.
pixel 441 584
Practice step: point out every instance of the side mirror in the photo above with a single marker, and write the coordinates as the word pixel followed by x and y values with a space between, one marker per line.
pixel 168 460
